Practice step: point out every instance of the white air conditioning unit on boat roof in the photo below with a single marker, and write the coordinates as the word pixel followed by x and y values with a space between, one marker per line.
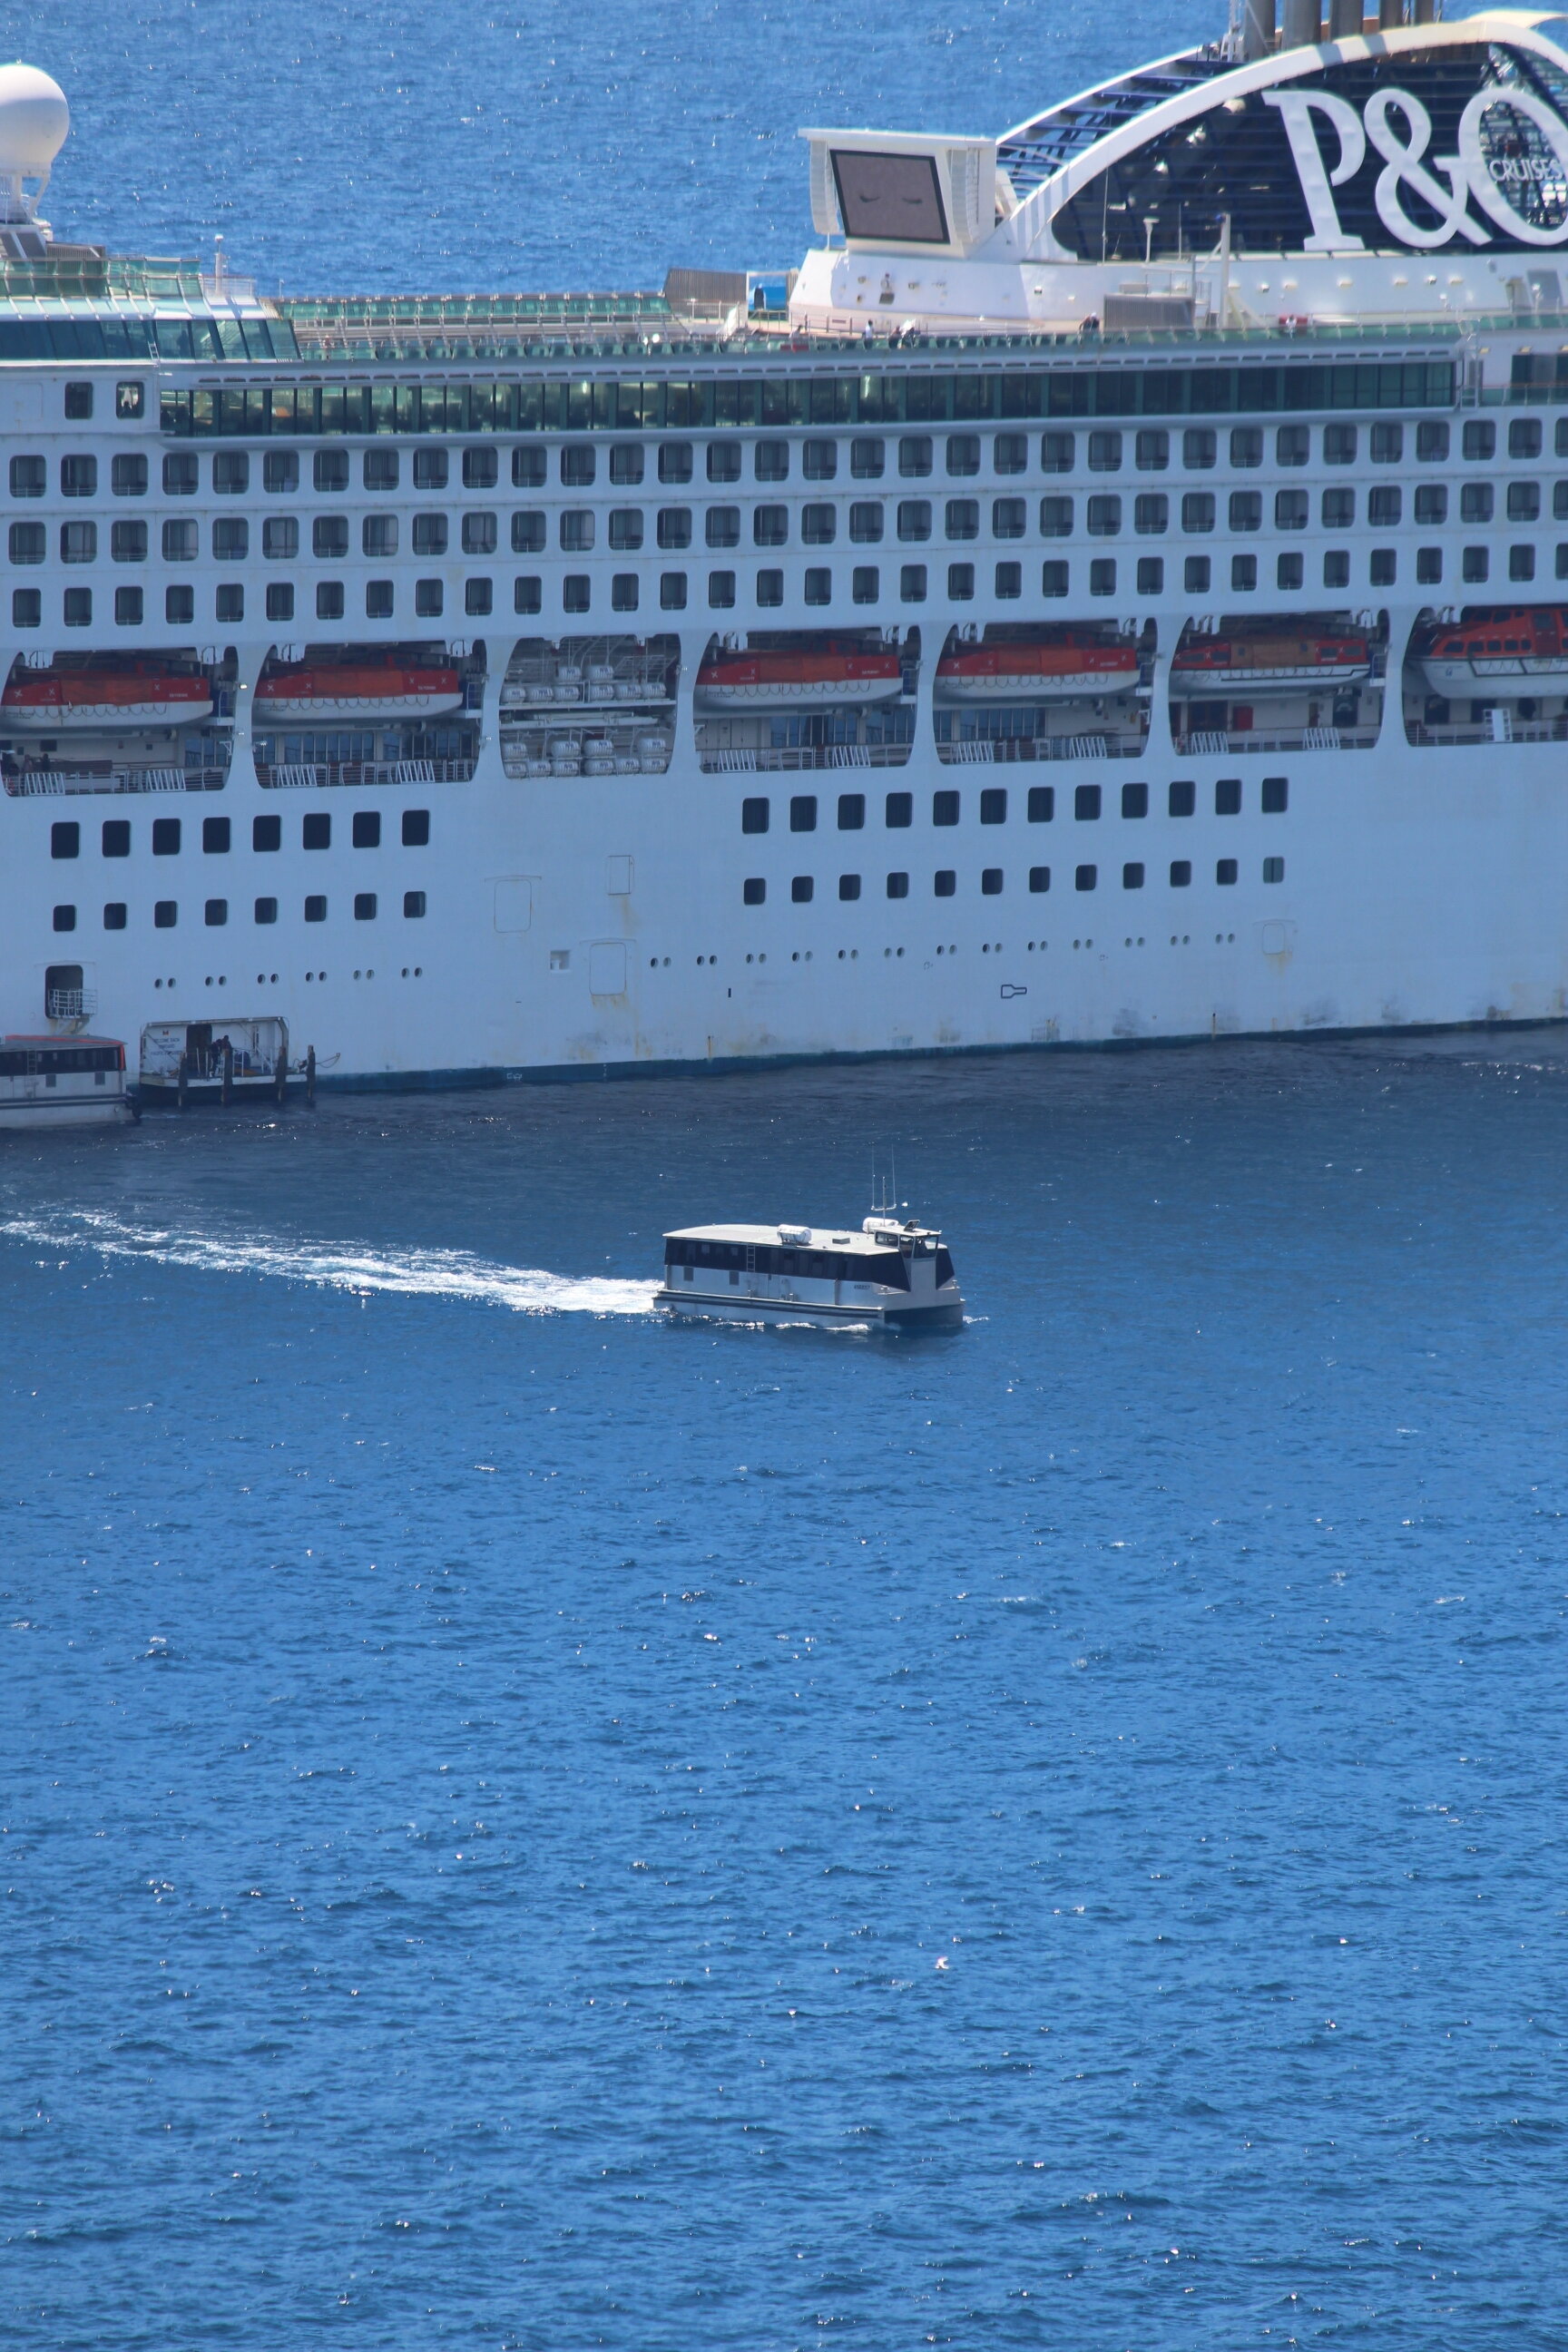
pixel 905 193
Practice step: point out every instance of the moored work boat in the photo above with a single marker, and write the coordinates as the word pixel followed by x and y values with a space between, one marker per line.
pixel 891 1277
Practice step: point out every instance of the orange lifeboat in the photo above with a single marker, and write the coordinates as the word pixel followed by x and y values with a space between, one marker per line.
pixel 1066 667
pixel 320 693
pixel 95 701
pixel 823 678
pixel 1250 665
pixel 1516 650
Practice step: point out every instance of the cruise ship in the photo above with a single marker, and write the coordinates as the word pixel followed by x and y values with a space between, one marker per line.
pixel 1114 588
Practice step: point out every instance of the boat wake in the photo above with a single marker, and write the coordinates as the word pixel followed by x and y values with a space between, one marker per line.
pixel 419 1274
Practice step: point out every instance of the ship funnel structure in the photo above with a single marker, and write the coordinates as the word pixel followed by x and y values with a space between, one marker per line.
pixel 34 123
pixel 1302 24
pixel 1257 29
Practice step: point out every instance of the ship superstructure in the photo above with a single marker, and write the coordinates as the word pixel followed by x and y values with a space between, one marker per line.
pixel 1116 588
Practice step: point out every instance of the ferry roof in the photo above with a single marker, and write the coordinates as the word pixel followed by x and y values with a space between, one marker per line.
pixel 835 1237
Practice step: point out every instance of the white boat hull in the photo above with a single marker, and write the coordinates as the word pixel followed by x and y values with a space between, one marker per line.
pixel 103 717
pixel 1496 673
pixel 1029 685
pixel 812 694
pixel 1189 687
pixel 323 709
pixel 945 1314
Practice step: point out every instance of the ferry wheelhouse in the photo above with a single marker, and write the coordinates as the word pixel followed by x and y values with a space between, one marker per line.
pixel 973 637
pixel 886 1276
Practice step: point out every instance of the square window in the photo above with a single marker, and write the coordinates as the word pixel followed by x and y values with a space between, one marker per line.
pixel 165 915
pixel 1151 576
pixel 912 584
pixel 328 600
pixel 430 599
pixel 412 904
pixel 801 890
pixel 850 886
pixel 753 890
pixel 116 837
pixel 266 832
pixel 803 813
pixel 1181 798
pixel 1196 575
pixel 1135 800
pixel 578 466
pixel 280 600
pixel 280 470
pixel 481 469
pixel 528 594
pixel 216 834
pixel 78 402
pixel 1086 802
pixel 1224 871
pixel 378 600
pixel 1132 877
pixel 851 812
pixel 1085 877
pixel 944 883
pixel 215 913
pixel 623 592
pixel 415 828
pixel 960 583
pixel 128 607
pixel 1009 582
pixel 65 918
pixel 991 882
pixel 1276 795
pixel 479 597
pixel 899 810
pixel 1337 568
pixel 754 815
pixel 1274 869
pixel 364 906
pixel 721 590
pixel 1042 803
pixel 993 805
pixel 671 592
pixel 1039 879
pixel 868 461
pixel 315 910
pixel 723 462
pixel 328 469
pixel 576 592
pixel 865 583
pixel 674 463
pixel 114 915
pixel 818 584
pixel 1180 874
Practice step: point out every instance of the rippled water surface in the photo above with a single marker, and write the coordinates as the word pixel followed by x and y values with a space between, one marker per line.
pixel 526 1826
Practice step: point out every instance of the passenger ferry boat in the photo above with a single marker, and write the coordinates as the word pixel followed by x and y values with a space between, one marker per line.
pixel 501 687
pixel 887 1276
pixel 51 1081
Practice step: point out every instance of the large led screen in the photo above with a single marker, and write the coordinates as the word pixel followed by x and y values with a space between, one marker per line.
pixel 895 198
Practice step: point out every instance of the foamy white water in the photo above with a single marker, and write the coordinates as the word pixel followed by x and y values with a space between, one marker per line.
pixel 427 1274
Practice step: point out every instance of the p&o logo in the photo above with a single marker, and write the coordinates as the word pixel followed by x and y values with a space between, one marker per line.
pixel 1516 174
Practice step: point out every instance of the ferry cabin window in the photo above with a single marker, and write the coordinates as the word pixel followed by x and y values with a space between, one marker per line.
pixel 130 400
pixel 1476 502
pixel 1084 878
pixel 1182 799
pixel 848 886
pixel 623 594
pixel 216 835
pixel 128 476
pixel 529 470
pixel 1039 879
pixel 753 890
pixel 265 910
pixel 165 836
pixel 625 531
pixel 1276 795
pixel 366 832
pixel 1180 874
pixel 78 542
pixel 803 813
pixel 851 812
pixel 28 542
pixel 64 840
pixel 1132 877
pixel 215 913
pixel 865 521
pixel 315 910
pixel 1289 571
pixel 231 472
pixel 266 833
pixel 944 808
pixel 281 471
pixel 1135 800
pixel 1086 802
pixel 65 920
pixel 1224 872
pixel 1197 510
pixel 912 584
pixel 116 837
pixel 991 882
pixel 1290 509
pixel 114 914
pixel 412 904
pixel 280 600
pixel 1053 579
pixel 770 525
pixel 1227 796
pixel 1105 453
pixel 29 478
pixel 963 453
pixel 993 805
pixel 944 883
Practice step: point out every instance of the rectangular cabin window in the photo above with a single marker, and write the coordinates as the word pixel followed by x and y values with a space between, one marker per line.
pixel 851 812
pixel 770 461
pixel 530 470
pixel 1057 453
pixel 29 478
pixel 1292 445
pixel 962 454
pixel 673 529
pixel 1152 452
pixel 868 461
pixel 28 542
pixel 1432 443
pixel 916 455
pixel 1105 453
pixel 770 525
pixel 479 532
pixel 1009 518
pixel 675 462
pixel 1338 445
pixel 626 529
pixel 430 468
pixel 329 537
pixel 1387 444
pixel 626 464
pixel 1056 518
pixel 231 538
pixel 819 460
pixel 1337 509
pixel 1247 445
pixel 180 474
pixel 724 527
pixel 1010 453
pixel 1197 510
pixel 280 537
pixel 482 469
pixel 1245 510
pixel 128 476
pixel 1480 443
pixel 128 542
pixel 528 531
pixel 231 473
pixel 78 478
pixel 281 471
pixel 1476 502
pixel 1290 509
pixel 379 469
pixel 723 461
pixel 378 534
pixel 1200 448
pixel 1150 513
pixel 78 542
pixel 865 522
pixel 818 525
pixel 430 534
pixel 329 470
pixel 578 465
pixel 576 531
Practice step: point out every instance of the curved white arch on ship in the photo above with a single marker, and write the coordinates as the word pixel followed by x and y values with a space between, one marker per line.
pixel 1026 235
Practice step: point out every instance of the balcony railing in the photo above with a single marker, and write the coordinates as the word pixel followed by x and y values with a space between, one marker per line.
pixel 317 775
pixel 69 1004
pixel 1006 749
pixel 35 783
pixel 773 759
pixel 1296 739
pixel 1516 730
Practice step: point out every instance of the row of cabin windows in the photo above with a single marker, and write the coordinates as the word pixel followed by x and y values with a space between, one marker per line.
pixel 867 457
pixel 993 880
pixel 1040 803
pixel 228 602
pixel 217 834
pixel 865 522
pixel 215 911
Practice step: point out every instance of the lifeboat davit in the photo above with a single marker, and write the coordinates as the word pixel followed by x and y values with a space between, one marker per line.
pixel 95 701
pixel 1063 669
pixel 1509 652
pixel 734 681
pixel 357 690
pixel 1250 665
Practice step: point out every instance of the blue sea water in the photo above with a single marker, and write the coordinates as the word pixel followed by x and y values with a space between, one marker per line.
pixel 525 1827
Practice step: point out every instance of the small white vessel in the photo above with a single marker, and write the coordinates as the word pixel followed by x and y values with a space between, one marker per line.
pixel 62 1082
pixel 893 1276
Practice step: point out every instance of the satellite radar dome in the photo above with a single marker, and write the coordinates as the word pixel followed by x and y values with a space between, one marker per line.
pixel 34 123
